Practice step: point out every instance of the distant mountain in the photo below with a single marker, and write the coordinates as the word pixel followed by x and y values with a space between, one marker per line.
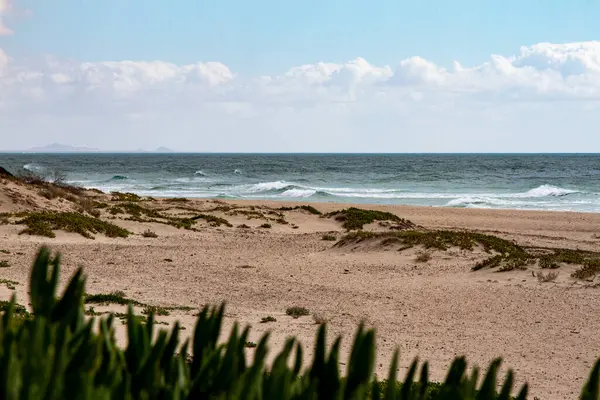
pixel 164 150
pixel 62 148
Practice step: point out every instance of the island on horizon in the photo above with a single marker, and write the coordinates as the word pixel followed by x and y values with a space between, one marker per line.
pixel 64 148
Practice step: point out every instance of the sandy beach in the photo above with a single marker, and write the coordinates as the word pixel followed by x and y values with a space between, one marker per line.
pixel 264 260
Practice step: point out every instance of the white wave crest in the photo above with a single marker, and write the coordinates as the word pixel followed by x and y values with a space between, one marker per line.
pixel 547 191
pixel 470 202
pixel 266 186
pixel 33 167
pixel 298 193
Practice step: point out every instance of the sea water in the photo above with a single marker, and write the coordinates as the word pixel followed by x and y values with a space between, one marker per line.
pixel 566 182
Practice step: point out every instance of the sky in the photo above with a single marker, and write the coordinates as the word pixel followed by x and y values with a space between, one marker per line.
pixel 310 76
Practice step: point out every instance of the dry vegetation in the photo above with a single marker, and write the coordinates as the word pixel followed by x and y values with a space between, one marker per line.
pixel 504 255
pixel 356 218
pixel 297 312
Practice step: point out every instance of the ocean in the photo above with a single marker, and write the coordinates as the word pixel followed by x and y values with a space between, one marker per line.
pixel 565 182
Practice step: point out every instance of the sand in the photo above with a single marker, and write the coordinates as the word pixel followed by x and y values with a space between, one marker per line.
pixel 546 332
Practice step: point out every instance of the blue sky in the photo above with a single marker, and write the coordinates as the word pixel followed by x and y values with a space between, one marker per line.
pixel 308 76
pixel 270 36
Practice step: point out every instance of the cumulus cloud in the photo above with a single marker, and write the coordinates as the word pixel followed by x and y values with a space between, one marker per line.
pixel 5 7
pixel 519 102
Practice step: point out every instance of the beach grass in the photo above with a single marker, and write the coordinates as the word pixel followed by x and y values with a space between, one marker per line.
pixel 505 255
pixel 356 218
pixel 45 223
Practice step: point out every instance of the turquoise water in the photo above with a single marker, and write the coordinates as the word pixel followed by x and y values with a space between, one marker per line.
pixel 541 182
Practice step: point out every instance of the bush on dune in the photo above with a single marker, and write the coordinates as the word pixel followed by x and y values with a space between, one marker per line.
pixel 55 353
pixel 356 218
pixel 45 223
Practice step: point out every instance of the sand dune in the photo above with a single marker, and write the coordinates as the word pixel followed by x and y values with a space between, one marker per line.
pixel 435 309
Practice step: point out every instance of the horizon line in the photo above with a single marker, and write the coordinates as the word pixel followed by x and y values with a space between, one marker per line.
pixel 282 153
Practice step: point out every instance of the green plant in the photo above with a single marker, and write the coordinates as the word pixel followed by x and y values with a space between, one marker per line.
pixel 308 208
pixel 212 220
pixel 94 212
pixel 356 218
pixel 135 210
pixel 548 277
pixel 268 318
pixel 8 283
pixel 45 223
pixel 4 264
pixel 177 200
pixel 4 251
pixel 118 196
pixel 266 226
pixel 250 345
pixel 508 254
pixel 330 238
pixel 297 312
pixel 156 310
pixel 423 257
pixel 311 210
pixel 20 313
pixel 116 297
pixel 149 234
pixel 588 270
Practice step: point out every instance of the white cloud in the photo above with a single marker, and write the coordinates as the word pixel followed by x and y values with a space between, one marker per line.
pixel 5 7
pixel 544 98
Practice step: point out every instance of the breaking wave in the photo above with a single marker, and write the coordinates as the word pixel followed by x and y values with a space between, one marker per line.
pixel 548 191
pixel 36 168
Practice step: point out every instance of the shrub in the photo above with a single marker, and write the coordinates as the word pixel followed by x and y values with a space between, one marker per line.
pixel 45 223
pixel 94 212
pixel 177 200
pixel 149 234
pixel 266 226
pixel 510 255
pixel 356 218
pixel 588 270
pixel 549 277
pixel 330 238
pixel 297 312
pixel 423 257
pixel 310 209
pixel 212 220
pixel 131 197
pixel 48 193
pixel 4 264
pixel 54 353
pixel 8 283
pixel 116 297
pixel 161 311
pixel 266 319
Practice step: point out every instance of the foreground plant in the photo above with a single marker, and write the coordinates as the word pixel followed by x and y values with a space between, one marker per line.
pixel 55 353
